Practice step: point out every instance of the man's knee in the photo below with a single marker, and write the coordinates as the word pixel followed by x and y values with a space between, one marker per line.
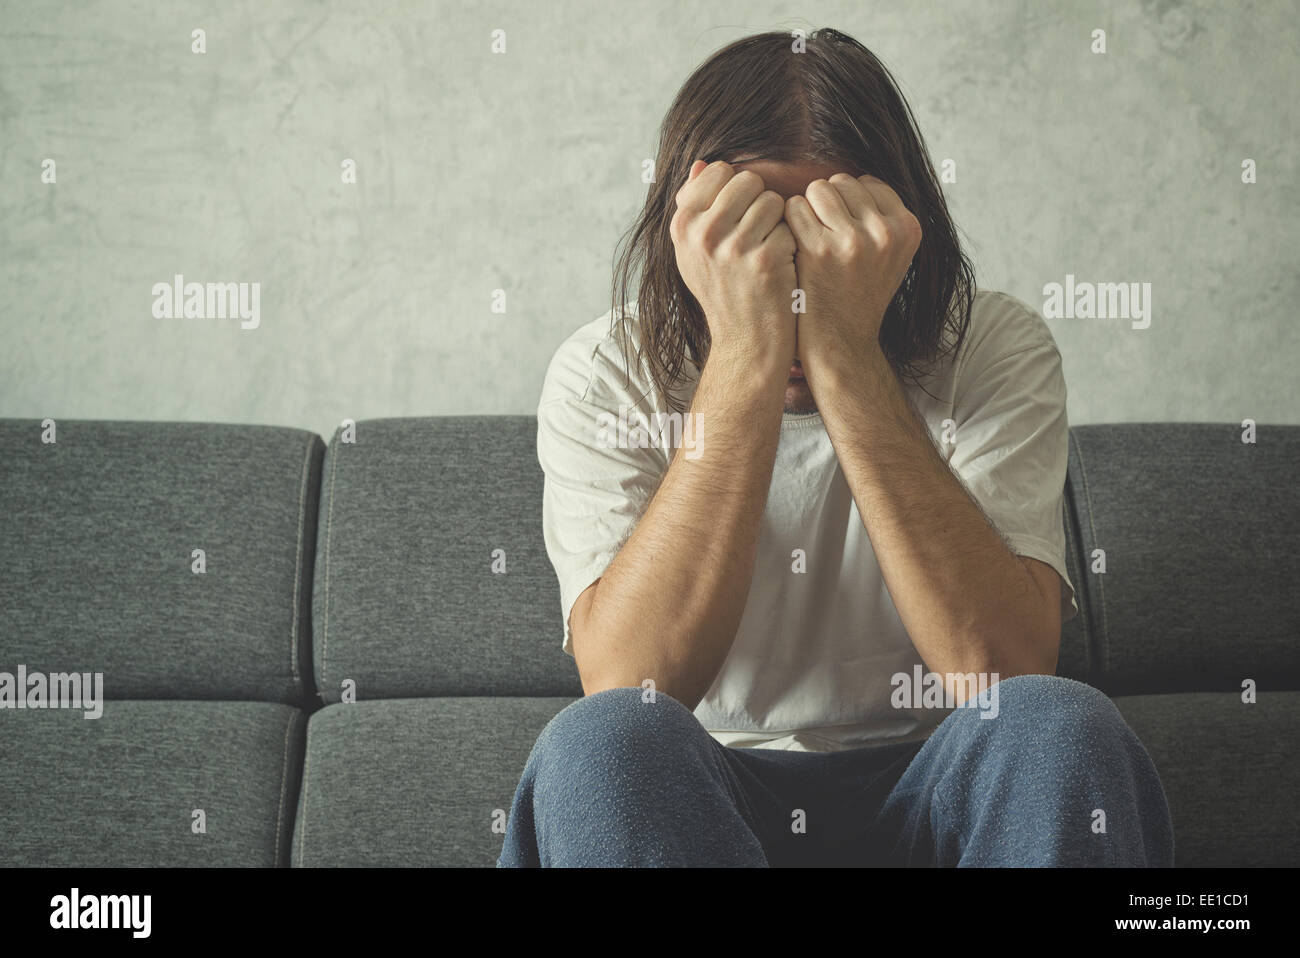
pixel 1057 702
pixel 1046 708
pixel 616 725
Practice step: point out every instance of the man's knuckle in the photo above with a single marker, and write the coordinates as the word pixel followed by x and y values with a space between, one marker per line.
pixel 766 258
pixel 728 249
pixel 713 235
pixel 853 244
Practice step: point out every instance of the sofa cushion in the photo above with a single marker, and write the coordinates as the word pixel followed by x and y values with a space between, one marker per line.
pixel 121 790
pixel 406 599
pixel 99 529
pixel 1199 534
pixel 414 782
pixel 1225 767
pixel 421 782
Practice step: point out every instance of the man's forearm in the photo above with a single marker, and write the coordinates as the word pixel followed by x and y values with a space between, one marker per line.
pixel 968 602
pixel 669 604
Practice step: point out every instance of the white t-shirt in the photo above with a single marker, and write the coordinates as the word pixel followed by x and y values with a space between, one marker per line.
pixel 813 663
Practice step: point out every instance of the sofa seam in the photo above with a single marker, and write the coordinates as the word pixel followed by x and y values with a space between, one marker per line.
pixel 298 685
pixel 1074 545
pixel 1101 582
pixel 329 536
pixel 284 782
pixel 302 815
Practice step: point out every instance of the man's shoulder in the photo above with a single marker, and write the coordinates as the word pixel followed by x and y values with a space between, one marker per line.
pixel 1001 324
pixel 600 362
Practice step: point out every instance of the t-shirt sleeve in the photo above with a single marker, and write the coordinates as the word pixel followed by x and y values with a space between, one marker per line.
pixel 1012 437
pixel 595 488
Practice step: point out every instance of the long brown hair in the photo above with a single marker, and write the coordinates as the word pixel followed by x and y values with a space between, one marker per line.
pixel 833 103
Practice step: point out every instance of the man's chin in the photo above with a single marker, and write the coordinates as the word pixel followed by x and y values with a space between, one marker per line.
pixel 798 398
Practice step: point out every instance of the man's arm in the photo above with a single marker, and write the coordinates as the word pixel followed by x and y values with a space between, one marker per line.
pixel 670 602
pixel 968 603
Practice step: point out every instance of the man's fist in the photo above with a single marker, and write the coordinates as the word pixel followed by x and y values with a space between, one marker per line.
pixel 856 241
pixel 737 257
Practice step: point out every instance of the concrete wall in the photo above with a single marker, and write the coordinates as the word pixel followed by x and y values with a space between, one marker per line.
pixel 477 171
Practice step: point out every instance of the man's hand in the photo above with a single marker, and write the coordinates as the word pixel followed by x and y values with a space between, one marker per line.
pixel 856 241
pixel 736 256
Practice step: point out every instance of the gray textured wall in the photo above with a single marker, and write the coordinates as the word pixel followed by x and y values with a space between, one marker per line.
pixel 519 171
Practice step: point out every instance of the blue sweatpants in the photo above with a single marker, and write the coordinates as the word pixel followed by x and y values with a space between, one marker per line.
pixel 1055 779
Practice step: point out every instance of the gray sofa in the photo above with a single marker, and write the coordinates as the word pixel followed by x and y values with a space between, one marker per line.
pixel 350 683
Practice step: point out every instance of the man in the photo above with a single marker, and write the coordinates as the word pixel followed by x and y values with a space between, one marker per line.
pixel 867 485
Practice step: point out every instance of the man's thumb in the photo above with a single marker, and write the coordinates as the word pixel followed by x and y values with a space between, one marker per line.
pixel 695 169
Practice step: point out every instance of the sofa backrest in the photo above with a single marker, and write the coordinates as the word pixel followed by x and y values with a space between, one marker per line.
pixel 1199 535
pixel 97 563
pixel 432 577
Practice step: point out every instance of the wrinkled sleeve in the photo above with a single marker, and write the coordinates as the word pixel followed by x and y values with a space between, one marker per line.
pixel 595 488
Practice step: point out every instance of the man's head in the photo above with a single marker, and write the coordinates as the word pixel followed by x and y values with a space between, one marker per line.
pixel 793 113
